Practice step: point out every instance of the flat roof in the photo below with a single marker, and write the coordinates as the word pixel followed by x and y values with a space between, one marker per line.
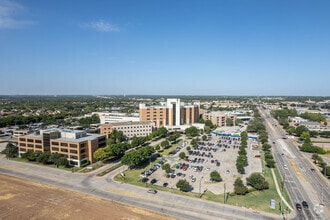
pixel 129 123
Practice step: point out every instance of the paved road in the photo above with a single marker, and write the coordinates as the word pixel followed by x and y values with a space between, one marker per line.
pixel 300 183
pixel 175 205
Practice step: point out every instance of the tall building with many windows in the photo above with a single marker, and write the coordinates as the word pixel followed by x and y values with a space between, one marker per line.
pixel 173 112
pixel 77 146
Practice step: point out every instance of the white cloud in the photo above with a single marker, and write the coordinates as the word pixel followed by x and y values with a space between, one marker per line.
pixel 102 26
pixel 9 15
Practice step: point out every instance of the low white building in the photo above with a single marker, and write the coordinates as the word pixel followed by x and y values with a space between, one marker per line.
pixel 129 129
pixel 111 117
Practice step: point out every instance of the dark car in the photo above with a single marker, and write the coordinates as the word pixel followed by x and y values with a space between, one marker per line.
pixel 305 204
pixel 153 181
pixel 298 206
pixel 165 184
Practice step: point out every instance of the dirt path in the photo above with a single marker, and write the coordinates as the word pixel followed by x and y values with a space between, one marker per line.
pixel 22 199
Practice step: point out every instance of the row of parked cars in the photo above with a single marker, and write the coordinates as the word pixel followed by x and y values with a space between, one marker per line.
pixel 147 173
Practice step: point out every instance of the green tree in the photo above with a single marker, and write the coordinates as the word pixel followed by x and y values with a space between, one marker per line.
pixel 194 142
pixel 54 158
pixel 215 176
pixel 44 158
pixel 11 150
pixel 305 135
pixel 166 167
pixel 270 163
pixel 257 181
pixel 300 129
pixel 209 124
pixel 204 137
pixel 62 161
pixel 165 144
pixel 87 121
pixel 192 131
pixel 266 147
pixel 229 122
pixel 116 137
pixel 118 149
pixel 160 132
pixel 172 138
pixel 240 168
pixel 30 155
pixel 183 185
pixel 102 153
pixel 138 141
pixel 291 130
pixel 326 171
pixel 182 155
pixel 239 187
pixel 157 147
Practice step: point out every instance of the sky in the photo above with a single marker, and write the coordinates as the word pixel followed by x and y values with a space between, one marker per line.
pixel 158 47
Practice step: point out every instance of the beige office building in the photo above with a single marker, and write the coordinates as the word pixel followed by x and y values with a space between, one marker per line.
pixel 173 112
pixel 77 146
pixel 129 129
pixel 219 118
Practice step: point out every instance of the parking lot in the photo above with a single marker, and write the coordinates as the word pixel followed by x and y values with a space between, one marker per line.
pixel 217 153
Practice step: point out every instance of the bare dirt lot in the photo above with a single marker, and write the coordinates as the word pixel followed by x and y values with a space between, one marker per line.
pixel 22 199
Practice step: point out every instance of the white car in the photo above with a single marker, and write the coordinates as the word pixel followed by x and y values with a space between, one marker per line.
pixel 285 166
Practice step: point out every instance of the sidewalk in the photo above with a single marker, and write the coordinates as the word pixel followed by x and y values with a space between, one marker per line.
pixel 292 214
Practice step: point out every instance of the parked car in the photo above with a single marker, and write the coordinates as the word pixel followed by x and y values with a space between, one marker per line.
pixel 298 206
pixel 165 184
pixel 153 191
pixel 305 204
pixel 153 181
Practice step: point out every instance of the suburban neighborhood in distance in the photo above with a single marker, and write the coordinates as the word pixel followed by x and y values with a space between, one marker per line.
pixel 248 152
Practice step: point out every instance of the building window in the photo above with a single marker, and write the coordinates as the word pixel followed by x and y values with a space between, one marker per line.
pixel 64 144
pixel 22 139
pixel 55 148
pixel 30 140
pixel 55 143
pixel 73 151
pixel 64 150
pixel 73 145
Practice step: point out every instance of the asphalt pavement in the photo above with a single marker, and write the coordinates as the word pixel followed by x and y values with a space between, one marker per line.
pixel 170 204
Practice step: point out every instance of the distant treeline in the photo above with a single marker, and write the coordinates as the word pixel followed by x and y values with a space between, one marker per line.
pixel 18 120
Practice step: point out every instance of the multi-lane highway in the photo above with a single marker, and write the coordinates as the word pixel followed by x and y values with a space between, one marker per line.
pixel 301 183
